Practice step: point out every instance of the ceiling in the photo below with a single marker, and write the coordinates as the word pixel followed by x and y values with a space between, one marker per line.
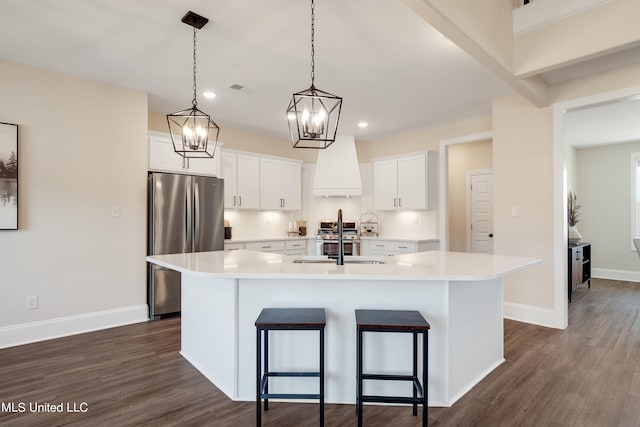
pixel 392 69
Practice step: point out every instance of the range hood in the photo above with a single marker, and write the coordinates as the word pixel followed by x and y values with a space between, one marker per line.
pixel 337 170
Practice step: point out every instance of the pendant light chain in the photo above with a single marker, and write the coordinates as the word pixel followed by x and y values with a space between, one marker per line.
pixel 194 101
pixel 313 64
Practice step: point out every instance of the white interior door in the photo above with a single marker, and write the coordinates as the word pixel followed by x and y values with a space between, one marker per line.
pixel 480 202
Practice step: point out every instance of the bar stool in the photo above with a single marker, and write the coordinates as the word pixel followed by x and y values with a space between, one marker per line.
pixel 402 321
pixel 286 319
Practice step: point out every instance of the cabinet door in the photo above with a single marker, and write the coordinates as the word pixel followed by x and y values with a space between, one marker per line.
pixel 291 186
pixel 205 166
pixel 247 178
pixel 412 182
pixel 576 268
pixel 280 185
pixel 270 185
pixel 162 156
pixel 385 185
pixel 228 170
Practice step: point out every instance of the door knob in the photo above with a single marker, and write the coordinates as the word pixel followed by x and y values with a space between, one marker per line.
pixel 490 234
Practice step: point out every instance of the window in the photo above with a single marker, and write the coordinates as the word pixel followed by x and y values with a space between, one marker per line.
pixel 635 197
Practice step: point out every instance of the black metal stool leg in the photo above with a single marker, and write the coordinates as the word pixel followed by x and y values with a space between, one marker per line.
pixel 415 371
pixel 425 377
pixel 266 368
pixel 359 375
pixel 322 377
pixel 258 377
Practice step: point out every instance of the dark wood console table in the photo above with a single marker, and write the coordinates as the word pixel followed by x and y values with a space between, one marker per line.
pixel 579 266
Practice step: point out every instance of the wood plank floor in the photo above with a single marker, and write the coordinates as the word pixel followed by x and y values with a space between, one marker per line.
pixel 586 375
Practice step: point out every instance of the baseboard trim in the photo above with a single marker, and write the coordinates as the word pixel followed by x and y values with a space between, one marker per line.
pixel 26 333
pixel 530 314
pixel 625 275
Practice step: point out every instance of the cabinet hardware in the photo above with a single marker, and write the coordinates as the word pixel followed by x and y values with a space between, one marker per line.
pixel 399 202
pixel 234 200
pixel 403 247
pixel 240 200
pixel 395 201
pixel 266 247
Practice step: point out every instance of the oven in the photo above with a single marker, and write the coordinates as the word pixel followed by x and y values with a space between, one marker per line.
pixel 329 247
pixel 327 239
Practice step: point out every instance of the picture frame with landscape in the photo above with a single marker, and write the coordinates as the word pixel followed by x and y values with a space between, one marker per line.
pixel 8 176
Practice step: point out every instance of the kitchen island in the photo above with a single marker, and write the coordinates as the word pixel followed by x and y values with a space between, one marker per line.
pixel 459 294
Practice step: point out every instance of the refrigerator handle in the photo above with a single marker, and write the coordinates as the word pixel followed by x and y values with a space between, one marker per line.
pixel 188 235
pixel 196 208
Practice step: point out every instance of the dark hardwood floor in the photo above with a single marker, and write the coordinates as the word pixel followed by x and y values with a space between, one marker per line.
pixel 586 375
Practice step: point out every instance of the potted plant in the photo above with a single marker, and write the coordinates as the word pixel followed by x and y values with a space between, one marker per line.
pixel 573 217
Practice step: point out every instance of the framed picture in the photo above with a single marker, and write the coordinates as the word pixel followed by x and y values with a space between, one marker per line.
pixel 8 176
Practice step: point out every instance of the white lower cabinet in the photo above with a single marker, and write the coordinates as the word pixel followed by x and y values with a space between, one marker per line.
pixel 286 247
pixel 378 247
pixel 233 246
pixel 295 247
pixel 275 246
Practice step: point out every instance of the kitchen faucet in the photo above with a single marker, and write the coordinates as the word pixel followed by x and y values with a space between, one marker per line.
pixel 340 258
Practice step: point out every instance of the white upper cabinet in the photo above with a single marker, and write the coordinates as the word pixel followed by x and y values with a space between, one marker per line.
pixel 405 183
pixel 280 184
pixel 240 173
pixel 163 158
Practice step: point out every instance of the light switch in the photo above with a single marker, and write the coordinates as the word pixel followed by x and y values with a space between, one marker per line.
pixel 115 211
pixel 515 211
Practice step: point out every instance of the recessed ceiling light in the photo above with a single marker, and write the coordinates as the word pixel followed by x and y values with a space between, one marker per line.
pixel 208 94
pixel 236 86
pixel 363 124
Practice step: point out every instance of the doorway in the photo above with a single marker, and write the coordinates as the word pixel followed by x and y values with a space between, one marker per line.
pixel 459 157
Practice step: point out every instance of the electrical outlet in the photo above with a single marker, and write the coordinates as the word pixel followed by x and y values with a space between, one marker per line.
pixel 32 303
pixel 115 211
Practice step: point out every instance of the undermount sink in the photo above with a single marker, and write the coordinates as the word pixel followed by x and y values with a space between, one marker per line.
pixel 327 260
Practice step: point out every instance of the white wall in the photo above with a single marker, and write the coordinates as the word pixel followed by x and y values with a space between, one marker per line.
pixel 605 177
pixel 82 150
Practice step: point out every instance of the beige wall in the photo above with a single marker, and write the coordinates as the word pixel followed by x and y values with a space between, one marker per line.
pixel 523 178
pixel 238 139
pixel 604 28
pixel 82 150
pixel 420 139
pixel 463 158
pixel 604 174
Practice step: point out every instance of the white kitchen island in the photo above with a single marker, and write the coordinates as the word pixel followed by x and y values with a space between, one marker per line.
pixel 459 294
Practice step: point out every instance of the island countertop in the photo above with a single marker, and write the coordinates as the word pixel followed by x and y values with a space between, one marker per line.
pixel 432 265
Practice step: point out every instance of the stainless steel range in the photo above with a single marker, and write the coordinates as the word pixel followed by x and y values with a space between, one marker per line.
pixel 327 238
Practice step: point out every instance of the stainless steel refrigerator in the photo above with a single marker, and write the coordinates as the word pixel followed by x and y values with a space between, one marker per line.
pixel 186 214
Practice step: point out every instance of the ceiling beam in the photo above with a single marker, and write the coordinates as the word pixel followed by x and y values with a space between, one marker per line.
pixel 495 53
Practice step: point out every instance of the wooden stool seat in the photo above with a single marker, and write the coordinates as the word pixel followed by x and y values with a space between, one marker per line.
pixel 286 319
pixel 401 321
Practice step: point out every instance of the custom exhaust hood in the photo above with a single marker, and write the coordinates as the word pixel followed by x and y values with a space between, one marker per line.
pixel 337 170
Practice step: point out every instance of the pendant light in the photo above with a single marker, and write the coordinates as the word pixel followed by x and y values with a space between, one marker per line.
pixel 193 133
pixel 313 114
